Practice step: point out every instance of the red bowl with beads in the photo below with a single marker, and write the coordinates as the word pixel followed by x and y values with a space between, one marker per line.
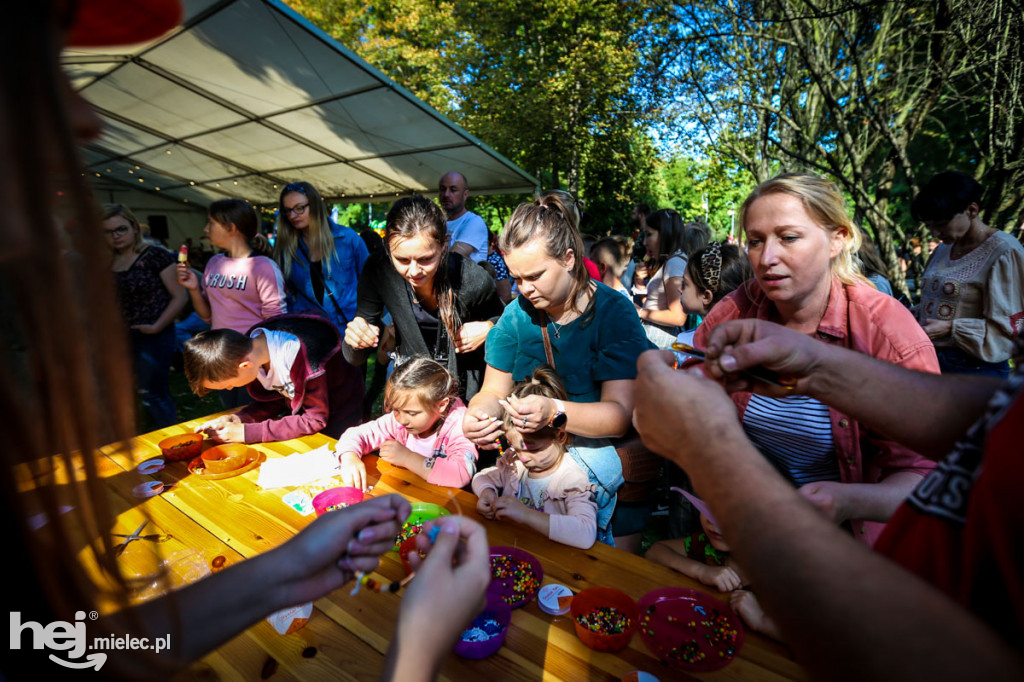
pixel 516 575
pixel 183 448
pixel 689 629
pixel 605 618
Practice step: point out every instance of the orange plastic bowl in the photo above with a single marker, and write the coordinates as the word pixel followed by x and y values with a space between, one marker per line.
pixel 589 601
pixel 227 457
pixel 182 448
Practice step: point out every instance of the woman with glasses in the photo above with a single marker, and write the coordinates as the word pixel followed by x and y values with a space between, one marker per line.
pixel 150 298
pixel 972 290
pixel 321 260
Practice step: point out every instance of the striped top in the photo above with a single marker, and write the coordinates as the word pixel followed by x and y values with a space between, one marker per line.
pixel 795 434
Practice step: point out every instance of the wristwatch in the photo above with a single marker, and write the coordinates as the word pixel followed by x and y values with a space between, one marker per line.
pixel 559 418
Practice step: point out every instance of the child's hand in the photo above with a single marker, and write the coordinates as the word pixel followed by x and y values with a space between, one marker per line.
pixel 485 504
pixel 227 429
pixel 509 507
pixel 722 578
pixel 353 471
pixel 187 278
pixel 361 334
pixel 393 452
pixel 746 605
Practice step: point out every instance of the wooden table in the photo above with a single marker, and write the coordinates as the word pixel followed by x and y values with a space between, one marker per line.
pixel 347 636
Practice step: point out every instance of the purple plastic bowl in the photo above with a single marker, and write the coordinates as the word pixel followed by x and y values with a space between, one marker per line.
pixel 502 614
pixel 503 586
pixel 335 496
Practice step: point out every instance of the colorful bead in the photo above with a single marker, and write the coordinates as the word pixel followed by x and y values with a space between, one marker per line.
pixel 605 620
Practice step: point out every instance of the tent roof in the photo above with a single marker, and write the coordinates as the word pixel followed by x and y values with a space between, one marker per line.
pixel 247 96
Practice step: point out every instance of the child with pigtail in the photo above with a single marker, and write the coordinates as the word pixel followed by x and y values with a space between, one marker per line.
pixel 535 483
pixel 421 430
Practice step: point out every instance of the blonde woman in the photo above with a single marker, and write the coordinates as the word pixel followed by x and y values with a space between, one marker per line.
pixel 801 246
pixel 320 259
pixel 150 298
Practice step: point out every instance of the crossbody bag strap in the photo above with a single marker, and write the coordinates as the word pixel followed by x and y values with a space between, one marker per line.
pixel 547 342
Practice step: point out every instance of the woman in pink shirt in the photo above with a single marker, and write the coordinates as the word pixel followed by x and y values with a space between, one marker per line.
pixel 800 242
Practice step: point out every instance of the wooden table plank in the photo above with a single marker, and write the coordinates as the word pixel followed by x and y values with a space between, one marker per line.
pixel 350 634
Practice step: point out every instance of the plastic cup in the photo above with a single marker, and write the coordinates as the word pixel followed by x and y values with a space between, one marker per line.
pixel 592 598
pixel 334 497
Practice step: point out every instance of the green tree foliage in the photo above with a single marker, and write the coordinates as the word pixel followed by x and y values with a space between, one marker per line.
pixel 874 95
pixel 706 189
pixel 555 86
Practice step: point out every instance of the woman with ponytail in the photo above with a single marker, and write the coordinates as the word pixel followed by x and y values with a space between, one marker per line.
pixel 442 305
pixel 241 286
pixel 588 332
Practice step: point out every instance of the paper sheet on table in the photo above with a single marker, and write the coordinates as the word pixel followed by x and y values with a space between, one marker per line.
pixel 298 469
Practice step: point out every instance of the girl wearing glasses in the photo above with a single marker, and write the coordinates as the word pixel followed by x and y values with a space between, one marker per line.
pixel 150 299
pixel 321 260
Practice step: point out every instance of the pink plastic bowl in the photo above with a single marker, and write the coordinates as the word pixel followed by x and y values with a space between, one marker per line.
pixel 334 497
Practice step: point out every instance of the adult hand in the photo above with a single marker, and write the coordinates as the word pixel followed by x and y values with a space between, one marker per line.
pixel 471 336
pixel 147 328
pixel 937 329
pixel 187 277
pixel 677 412
pixel 481 428
pixel 531 413
pixel 393 452
pixel 353 471
pixel 509 507
pixel 743 344
pixel 451 580
pixel 360 334
pixel 829 498
pixel 485 503
pixel 329 552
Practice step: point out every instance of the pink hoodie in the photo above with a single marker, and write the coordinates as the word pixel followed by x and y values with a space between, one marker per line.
pixel 454 456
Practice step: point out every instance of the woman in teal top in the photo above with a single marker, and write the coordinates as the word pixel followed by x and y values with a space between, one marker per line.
pixel 595 335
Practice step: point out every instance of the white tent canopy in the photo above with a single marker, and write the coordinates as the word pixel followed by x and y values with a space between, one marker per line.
pixel 247 96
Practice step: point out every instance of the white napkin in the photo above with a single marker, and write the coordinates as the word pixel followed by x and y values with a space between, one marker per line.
pixel 298 469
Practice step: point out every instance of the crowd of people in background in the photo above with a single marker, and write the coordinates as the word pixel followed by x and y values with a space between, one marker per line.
pixel 806 412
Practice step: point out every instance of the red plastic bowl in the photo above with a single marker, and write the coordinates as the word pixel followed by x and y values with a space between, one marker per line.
pixel 407 547
pixel 335 496
pixel 502 614
pixel 593 598
pixel 666 615
pixel 505 587
pixel 181 448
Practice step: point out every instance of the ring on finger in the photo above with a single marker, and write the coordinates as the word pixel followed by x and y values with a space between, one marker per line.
pixel 524 422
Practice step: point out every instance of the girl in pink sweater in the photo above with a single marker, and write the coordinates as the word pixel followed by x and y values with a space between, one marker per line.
pixel 534 483
pixel 421 430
